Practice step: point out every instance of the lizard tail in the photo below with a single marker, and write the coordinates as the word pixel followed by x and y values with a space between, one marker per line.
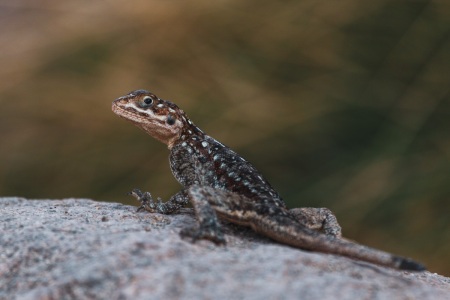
pixel 288 231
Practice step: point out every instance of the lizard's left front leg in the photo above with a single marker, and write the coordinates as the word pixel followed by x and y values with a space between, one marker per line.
pixel 209 226
pixel 174 204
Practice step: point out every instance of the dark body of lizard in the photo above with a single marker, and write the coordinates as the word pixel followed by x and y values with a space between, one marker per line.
pixel 221 184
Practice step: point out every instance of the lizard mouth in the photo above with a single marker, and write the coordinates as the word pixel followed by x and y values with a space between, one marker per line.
pixel 115 107
pixel 120 111
pixel 129 114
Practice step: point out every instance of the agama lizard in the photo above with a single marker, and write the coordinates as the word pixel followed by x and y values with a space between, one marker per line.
pixel 220 184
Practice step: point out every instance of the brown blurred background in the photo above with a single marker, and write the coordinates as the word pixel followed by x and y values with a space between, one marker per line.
pixel 343 104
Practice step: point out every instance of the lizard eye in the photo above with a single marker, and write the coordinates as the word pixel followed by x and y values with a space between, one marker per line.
pixel 147 100
pixel 170 120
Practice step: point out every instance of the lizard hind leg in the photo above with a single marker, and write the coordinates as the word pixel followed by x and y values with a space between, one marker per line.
pixel 321 219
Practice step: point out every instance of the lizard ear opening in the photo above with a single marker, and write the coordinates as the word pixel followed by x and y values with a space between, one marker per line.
pixel 170 120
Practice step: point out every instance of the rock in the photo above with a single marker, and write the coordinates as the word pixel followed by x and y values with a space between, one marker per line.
pixel 83 249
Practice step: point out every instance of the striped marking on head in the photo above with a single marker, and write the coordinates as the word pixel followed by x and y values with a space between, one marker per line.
pixel 161 119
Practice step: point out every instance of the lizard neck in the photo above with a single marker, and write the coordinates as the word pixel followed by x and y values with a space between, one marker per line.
pixel 189 132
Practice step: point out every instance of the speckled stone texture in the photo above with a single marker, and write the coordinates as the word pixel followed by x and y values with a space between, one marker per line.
pixel 83 249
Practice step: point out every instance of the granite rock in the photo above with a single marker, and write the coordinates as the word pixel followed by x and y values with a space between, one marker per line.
pixel 84 249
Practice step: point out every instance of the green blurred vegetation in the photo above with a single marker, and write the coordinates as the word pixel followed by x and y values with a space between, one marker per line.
pixel 340 104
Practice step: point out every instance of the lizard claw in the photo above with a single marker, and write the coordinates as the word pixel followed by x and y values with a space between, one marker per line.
pixel 145 199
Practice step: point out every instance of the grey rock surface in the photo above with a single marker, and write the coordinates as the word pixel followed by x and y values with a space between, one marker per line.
pixel 83 249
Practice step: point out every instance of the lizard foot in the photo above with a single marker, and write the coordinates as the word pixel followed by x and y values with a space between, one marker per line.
pixel 320 219
pixel 146 200
pixel 196 233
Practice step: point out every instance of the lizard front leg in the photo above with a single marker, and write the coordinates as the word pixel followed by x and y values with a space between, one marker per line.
pixel 208 224
pixel 321 219
pixel 174 204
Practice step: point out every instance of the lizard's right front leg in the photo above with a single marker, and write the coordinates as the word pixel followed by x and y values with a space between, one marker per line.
pixel 209 226
pixel 174 204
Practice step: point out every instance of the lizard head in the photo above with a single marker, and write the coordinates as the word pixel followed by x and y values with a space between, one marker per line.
pixel 161 119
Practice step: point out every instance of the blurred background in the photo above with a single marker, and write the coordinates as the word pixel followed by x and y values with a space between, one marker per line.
pixel 342 104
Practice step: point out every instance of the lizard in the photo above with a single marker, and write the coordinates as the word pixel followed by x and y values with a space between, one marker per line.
pixel 221 185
